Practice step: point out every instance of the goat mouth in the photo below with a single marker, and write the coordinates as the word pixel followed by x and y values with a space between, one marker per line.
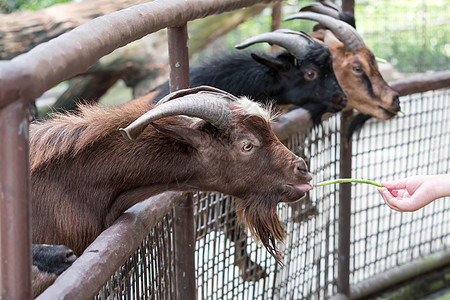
pixel 294 192
pixel 389 113
pixel 338 102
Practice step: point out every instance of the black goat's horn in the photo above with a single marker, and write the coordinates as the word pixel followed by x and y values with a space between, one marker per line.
pixel 207 103
pixel 321 9
pixel 293 41
pixel 344 32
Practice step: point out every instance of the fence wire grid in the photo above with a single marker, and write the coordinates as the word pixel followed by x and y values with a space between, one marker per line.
pixel 230 265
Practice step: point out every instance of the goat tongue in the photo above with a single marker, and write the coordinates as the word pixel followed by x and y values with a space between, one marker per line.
pixel 304 187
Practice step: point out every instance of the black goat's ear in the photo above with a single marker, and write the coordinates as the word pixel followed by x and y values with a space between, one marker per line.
pixel 270 61
pixel 190 136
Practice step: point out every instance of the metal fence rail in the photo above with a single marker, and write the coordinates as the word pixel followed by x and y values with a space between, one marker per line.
pixel 147 273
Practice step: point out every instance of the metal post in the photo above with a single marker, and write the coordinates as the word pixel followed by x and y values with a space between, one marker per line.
pixel 184 237
pixel 345 167
pixel 178 58
pixel 15 238
pixel 348 6
pixel 276 23
pixel 345 194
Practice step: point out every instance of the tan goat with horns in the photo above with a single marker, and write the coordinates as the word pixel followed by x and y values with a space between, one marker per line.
pixel 354 65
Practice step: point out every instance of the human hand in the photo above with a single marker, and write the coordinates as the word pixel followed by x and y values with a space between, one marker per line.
pixel 412 193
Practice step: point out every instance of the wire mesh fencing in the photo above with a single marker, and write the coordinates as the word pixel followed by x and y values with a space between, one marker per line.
pixel 416 143
pixel 148 273
pixel 232 266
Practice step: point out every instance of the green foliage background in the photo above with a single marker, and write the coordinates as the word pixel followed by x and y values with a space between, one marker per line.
pixel 8 6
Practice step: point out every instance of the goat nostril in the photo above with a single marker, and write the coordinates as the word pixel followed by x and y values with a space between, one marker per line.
pixel 69 253
pixel 396 99
pixel 302 168
pixel 340 100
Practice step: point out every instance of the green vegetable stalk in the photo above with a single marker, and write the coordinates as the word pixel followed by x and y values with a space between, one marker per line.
pixel 345 180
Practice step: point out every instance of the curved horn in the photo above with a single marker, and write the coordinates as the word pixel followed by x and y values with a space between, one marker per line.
pixel 330 4
pixel 321 9
pixel 207 103
pixel 344 32
pixel 195 90
pixel 293 41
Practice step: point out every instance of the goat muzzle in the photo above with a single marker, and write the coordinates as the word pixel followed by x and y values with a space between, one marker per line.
pixel 338 102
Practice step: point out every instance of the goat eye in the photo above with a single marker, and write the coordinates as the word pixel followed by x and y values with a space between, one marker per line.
pixel 357 69
pixel 247 147
pixel 310 75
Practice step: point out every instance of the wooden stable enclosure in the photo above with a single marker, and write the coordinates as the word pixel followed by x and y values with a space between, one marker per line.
pixel 341 241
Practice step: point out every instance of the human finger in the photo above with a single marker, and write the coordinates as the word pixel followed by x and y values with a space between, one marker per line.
pixel 388 198
pixel 397 184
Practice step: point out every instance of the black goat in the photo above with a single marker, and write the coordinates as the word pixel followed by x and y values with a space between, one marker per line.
pixel 302 76
pixel 49 261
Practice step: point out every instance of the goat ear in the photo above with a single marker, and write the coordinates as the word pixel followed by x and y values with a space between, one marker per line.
pixel 270 61
pixel 190 136
pixel 330 39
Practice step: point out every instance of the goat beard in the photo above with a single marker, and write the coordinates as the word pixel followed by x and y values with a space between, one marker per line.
pixel 261 217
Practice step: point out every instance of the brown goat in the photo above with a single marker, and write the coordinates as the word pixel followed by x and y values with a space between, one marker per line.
pixel 355 67
pixel 85 174
pixel 41 280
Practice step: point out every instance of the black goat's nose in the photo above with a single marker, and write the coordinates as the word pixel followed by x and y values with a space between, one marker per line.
pixel 396 102
pixel 339 101
pixel 70 256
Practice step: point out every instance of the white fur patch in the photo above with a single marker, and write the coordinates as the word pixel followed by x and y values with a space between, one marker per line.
pixel 254 108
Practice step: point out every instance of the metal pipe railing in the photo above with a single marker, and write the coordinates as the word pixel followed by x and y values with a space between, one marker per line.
pixel 422 83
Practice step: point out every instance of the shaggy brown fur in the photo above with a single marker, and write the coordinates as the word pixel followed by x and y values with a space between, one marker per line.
pixel 41 281
pixel 84 174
